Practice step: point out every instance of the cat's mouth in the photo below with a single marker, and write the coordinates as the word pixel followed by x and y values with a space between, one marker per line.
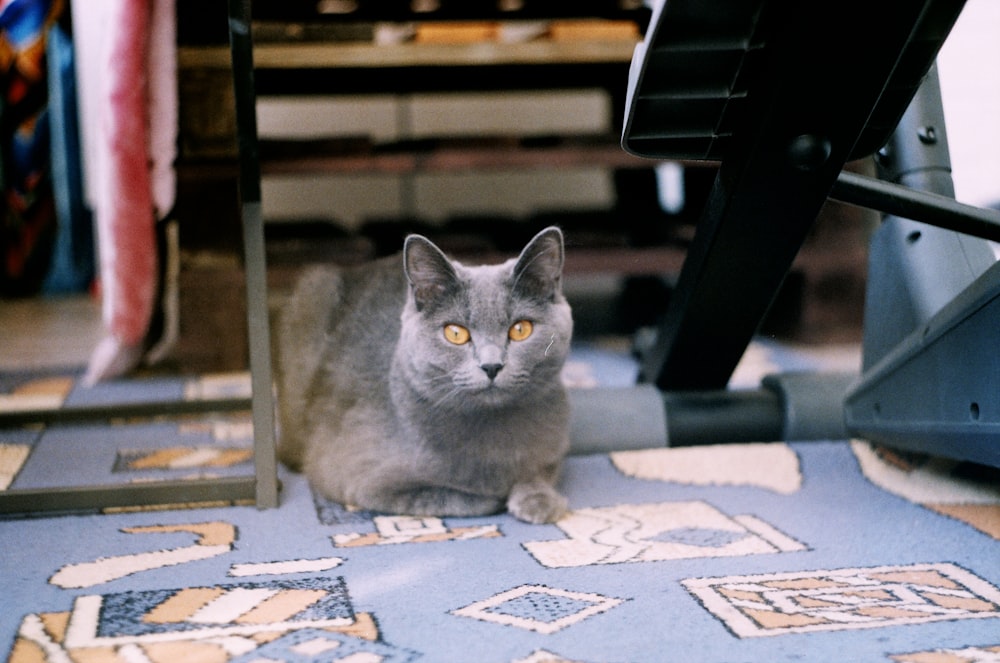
pixel 489 388
pixel 491 393
pixel 480 391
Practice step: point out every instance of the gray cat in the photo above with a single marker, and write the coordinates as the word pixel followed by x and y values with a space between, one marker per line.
pixel 418 385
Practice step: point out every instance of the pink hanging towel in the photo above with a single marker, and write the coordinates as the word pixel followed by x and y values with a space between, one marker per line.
pixel 126 202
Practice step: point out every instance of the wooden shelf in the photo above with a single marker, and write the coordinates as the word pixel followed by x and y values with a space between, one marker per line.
pixel 375 56
pixel 289 158
pixel 457 156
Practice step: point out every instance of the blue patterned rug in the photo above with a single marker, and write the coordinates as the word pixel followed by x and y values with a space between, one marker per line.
pixel 817 551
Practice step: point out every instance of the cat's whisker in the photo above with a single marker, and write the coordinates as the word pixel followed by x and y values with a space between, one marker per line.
pixel 439 379
pixel 447 397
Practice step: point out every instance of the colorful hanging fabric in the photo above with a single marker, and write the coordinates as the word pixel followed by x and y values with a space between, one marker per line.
pixel 27 210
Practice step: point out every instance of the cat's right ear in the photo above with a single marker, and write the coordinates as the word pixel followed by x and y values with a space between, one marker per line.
pixel 428 270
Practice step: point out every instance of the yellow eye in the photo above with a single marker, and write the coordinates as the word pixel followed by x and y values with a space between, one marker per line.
pixel 456 334
pixel 520 330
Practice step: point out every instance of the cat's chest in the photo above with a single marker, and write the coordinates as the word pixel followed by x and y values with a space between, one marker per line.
pixel 490 449
pixel 484 471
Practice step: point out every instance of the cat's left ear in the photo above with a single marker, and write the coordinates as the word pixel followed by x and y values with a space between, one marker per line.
pixel 538 271
pixel 428 270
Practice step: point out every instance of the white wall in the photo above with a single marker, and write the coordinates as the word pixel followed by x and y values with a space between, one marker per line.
pixel 969 68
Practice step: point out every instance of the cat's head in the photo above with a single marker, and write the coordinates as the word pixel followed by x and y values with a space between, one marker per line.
pixel 486 335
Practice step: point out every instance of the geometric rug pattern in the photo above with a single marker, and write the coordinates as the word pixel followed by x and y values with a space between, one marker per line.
pixel 840 599
pixel 811 551
pixel 538 608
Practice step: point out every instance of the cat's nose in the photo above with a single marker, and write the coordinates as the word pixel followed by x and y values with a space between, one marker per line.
pixel 491 370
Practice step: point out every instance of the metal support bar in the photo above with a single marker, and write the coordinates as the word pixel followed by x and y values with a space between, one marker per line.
pixel 789 406
pixel 86 498
pixel 265 460
pixel 109 411
pixel 642 417
pixel 697 418
pixel 263 486
pixel 930 208
pixel 103 496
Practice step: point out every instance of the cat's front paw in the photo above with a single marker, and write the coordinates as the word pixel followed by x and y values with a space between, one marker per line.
pixel 536 503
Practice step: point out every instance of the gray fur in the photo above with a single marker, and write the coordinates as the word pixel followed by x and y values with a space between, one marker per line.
pixel 380 411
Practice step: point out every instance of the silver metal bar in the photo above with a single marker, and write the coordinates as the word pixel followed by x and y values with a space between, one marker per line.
pixel 258 330
pixel 930 208
pixel 110 411
pixel 84 498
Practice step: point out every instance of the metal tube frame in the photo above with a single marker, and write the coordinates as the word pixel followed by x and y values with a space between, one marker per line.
pixel 263 486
